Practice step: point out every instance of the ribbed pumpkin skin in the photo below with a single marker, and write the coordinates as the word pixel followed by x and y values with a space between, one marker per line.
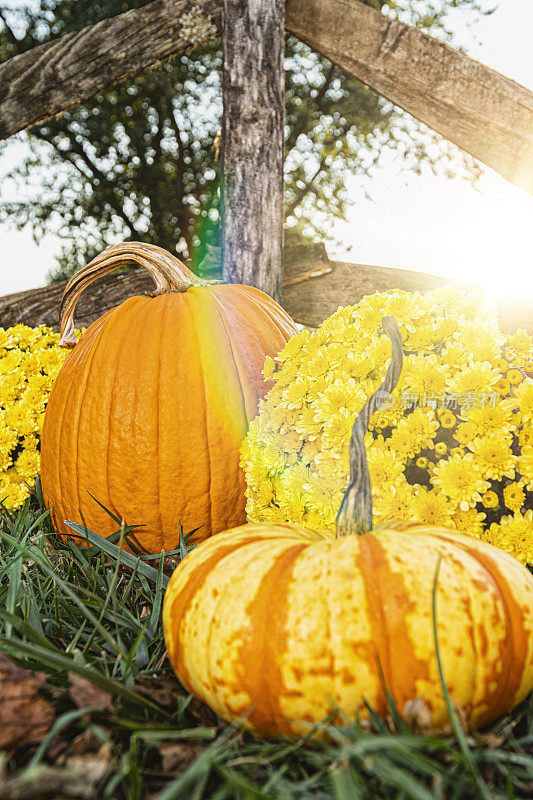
pixel 284 624
pixel 149 411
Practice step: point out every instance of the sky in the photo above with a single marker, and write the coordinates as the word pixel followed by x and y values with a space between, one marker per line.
pixel 427 222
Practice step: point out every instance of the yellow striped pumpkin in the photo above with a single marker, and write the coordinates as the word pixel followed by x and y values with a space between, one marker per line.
pixel 283 625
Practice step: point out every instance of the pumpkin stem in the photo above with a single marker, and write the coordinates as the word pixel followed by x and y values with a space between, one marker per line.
pixel 355 513
pixel 168 272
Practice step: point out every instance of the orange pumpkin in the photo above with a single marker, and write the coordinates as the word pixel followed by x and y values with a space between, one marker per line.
pixel 282 625
pixel 148 412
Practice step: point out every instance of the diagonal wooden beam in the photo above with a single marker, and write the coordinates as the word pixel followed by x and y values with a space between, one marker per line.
pixel 483 112
pixel 476 108
pixel 51 78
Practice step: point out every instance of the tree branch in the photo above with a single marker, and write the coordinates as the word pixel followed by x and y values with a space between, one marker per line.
pixel 78 150
pixel 303 121
pixel 309 183
pixel 481 111
pixel 180 189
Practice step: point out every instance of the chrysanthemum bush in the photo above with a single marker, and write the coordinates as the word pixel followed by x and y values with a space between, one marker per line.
pixel 30 359
pixel 453 448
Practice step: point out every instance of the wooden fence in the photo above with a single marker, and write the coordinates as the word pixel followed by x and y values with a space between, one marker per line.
pixel 483 112
pixel 314 287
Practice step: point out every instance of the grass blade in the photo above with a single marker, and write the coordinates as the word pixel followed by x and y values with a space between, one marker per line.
pixel 18 649
pixel 115 552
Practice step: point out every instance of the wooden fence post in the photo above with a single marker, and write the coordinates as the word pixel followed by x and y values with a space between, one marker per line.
pixel 252 143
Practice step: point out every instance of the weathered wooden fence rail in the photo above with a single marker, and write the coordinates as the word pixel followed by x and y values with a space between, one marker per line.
pixel 484 113
pixel 475 107
pixel 314 287
pixel 56 75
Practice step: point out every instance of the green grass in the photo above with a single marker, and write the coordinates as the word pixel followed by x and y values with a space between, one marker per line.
pixel 70 610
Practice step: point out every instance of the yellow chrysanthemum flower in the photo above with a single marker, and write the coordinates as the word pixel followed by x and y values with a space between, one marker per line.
pixel 447 418
pixel 465 432
pixel 471 522
pixel 525 437
pixel 514 497
pixel 525 466
pixel 515 376
pixel 521 343
pixel 425 375
pixel 294 394
pixel 393 503
pixel 473 331
pixel 456 361
pixel 476 376
pixel 454 355
pixel 524 398
pixel 457 451
pixel 414 433
pixel 433 508
pixel 494 456
pixel 30 359
pixel 502 386
pixel 293 347
pixel 490 499
pixel 269 368
pixel 12 492
pixel 514 534
pixel 461 479
pixel 28 464
pixel 385 468
pixel 486 419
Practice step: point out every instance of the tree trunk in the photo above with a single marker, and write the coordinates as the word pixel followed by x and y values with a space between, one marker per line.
pixel 252 143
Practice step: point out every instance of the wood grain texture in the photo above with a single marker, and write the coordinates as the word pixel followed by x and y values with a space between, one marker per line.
pixel 478 109
pixel 308 298
pixel 50 78
pixel 311 301
pixel 41 306
pixel 481 111
pixel 253 85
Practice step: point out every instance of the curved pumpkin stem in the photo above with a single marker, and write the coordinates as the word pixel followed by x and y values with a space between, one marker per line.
pixel 355 513
pixel 168 272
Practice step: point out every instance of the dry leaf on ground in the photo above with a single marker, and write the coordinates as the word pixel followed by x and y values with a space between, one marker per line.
pixel 25 716
pixel 204 714
pixel 85 694
pixel 85 742
pixel 417 714
pixel 175 756
pixel 160 690
pixel 92 766
pixel 45 782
